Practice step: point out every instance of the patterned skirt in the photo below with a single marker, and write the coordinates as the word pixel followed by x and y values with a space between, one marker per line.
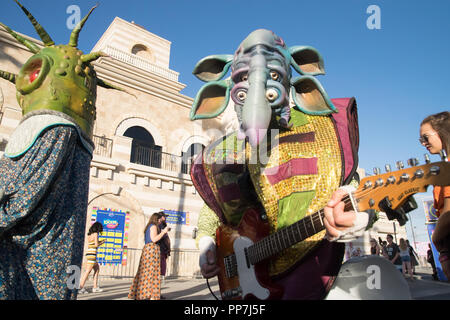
pixel 147 284
pixel 43 201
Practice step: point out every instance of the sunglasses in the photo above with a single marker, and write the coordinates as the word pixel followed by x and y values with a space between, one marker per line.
pixel 424 138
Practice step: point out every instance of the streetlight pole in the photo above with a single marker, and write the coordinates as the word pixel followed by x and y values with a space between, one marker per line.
pixel 412 230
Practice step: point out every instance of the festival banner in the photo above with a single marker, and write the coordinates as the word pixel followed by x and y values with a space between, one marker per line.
pixel 430 211
pixel 176 217
pixel 115 233
pixel 440 273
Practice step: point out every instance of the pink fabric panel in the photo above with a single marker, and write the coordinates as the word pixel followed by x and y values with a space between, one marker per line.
pixel 342 126
pixel 293 167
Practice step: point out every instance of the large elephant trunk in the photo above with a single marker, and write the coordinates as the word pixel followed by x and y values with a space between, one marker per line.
pixel 256 111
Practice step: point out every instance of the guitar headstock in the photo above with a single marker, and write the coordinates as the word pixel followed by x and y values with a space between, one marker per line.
pixel 391 189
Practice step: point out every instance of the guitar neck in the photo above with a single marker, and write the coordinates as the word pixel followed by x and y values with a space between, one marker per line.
pixel 288 236
pixel 389 190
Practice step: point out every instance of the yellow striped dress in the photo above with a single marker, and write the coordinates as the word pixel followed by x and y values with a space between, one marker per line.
pixel 91 254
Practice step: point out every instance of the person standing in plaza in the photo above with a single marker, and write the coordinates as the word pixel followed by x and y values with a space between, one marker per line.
pixel 383 245
pixel 164 245
pixel 374 247
pixel 430 260
pixel 393 252
pixel 406 258
pixel 91 257
pixel 147 283
pixel 435 136
pixel 414 257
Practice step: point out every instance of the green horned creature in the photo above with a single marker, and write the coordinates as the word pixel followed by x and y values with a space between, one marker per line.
pixel 44 173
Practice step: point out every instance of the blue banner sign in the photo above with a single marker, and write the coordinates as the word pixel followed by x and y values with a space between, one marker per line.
pixel 176 217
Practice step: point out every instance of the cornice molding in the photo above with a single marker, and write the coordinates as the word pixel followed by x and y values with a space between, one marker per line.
pixel 119 72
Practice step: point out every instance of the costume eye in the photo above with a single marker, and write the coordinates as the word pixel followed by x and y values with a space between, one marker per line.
pixel 274 75
pixel 33 69
pixel 34 75
pixel 244 77
pixel 241 95
pixel 271 94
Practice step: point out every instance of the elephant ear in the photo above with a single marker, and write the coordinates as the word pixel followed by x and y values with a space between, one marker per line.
pixel 211 100
pixel 307 60
pixel 310 97
pixel 213 68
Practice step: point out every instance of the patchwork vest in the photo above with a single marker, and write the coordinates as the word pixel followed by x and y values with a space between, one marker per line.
pixel 294 177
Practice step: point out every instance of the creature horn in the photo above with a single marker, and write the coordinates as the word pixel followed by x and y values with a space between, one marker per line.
pixel 30 45
pixel 107 85
pixel 8 76
pixel 92 56
pixel 39 29
pixel 73 42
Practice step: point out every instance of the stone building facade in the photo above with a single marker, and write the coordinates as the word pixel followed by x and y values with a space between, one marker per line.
pixel 144 142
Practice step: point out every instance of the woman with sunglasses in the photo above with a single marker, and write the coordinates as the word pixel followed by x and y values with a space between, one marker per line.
pixel 435 136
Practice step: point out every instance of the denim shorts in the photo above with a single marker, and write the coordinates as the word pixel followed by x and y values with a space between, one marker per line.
pixel 405 258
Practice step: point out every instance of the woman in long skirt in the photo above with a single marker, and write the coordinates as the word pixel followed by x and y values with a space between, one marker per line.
pixel 147 284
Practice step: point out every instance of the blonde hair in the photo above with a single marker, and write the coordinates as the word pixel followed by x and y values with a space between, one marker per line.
pixel 403 244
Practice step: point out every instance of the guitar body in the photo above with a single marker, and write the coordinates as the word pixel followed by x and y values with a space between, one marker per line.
pixel 248 281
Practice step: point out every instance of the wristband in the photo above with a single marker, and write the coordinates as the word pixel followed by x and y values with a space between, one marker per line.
pixel 206 243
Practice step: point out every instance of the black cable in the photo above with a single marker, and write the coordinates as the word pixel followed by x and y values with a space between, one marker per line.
pixel 210 290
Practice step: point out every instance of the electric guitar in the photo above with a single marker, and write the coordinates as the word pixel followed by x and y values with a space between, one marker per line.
pixel 242 253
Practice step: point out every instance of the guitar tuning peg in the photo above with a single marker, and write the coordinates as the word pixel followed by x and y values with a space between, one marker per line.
pixel 400 165
pixel 413 162
pixel 376 171
pixel 388 168
pixel 427 158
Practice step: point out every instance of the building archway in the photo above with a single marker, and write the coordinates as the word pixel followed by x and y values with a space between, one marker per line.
pixel 141 122
pixel 188 157
pixel 143 148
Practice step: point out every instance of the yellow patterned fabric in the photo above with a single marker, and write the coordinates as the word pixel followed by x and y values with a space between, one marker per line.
pixel 91 253
pixel 208 222
pixel 325 148
pixel 289 196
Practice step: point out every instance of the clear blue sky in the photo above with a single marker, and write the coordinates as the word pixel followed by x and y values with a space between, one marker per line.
pixel 399 74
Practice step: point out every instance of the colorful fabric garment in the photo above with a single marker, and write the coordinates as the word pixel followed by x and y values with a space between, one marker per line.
pixel 91 253
pixel 306 164
pixel 147 283
pixel 43 205
pixel 439 194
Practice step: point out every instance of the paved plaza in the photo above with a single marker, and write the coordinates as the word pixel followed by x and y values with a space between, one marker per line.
pixel 423 287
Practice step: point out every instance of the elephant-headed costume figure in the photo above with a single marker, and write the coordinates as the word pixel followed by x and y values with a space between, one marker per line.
pixel 294 147
pixel 44 173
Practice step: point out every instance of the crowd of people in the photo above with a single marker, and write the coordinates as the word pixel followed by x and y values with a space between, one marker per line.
pixel 402 255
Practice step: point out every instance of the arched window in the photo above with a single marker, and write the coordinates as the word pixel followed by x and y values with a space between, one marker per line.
pixel 142 51
pixel 143 148
pixel 189 156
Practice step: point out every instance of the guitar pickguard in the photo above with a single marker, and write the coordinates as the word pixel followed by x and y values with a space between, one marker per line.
pixel 248 281
pixel 237 280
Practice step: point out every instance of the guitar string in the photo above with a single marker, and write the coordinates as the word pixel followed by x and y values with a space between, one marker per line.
pixel 265 245
pixel 265 248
